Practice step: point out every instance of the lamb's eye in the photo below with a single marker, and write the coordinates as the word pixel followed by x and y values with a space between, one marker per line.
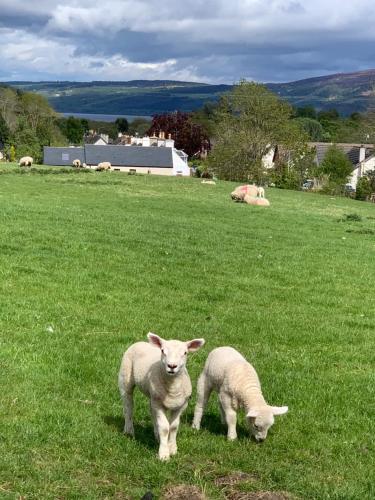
pixel 162 351
pixel 185 353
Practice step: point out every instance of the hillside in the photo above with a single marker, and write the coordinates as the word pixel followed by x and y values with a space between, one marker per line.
pixel 348 92
pixel 137 97
pixel 91 262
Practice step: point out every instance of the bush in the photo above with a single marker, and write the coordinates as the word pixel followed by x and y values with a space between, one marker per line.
pixel 364 189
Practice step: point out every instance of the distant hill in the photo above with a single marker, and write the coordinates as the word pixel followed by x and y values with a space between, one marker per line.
pixel 138 97
pixel 347 92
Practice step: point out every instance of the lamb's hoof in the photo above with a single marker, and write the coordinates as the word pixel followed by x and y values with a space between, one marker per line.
pixel 129 432
pixel 195 426
pixel 164 457
pixel 232 438
pixel 172 450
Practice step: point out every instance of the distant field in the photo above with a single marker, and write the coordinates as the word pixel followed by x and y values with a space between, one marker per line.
pixel 91 262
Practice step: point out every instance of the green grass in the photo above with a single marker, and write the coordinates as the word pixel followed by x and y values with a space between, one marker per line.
pixel 91 263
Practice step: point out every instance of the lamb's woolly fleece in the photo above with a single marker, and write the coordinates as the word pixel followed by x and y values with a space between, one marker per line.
pixel 76 163
pixel 148 374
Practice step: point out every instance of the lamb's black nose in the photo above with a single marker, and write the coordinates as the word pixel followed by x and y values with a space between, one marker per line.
pixel 172 367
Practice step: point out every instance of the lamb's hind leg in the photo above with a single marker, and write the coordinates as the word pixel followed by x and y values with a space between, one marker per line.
pixel 126 386
pixel 203 393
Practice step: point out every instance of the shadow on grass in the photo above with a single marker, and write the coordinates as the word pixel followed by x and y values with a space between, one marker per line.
pixel 143 434
pixel 211 422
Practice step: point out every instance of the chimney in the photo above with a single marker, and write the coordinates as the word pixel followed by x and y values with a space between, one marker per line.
pixel 362 153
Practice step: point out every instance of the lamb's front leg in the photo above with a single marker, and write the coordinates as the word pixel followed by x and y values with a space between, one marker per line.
pixel 230 415
pixel 162 425
pixel 174 422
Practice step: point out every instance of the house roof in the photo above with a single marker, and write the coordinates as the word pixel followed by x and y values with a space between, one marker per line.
pixel 63 156
pixel 130 156
pixel 351 150
pixel 92 139
pixel 122 156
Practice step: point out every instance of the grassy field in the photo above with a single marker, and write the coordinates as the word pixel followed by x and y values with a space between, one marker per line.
pixel 90 263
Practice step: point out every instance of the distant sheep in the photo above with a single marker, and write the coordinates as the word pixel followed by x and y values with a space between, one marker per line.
pixel 158 368
pixel 104 165
pixel 227 372
pixel 76 163
pixel 260 193
pixel 241 191
pixel 26 161
pixel 260 202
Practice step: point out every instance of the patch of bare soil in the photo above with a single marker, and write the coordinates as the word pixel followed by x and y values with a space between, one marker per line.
pixel 258 495
pixel 235 478
pixel 183 492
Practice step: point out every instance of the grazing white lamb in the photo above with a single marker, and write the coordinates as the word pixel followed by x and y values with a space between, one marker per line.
pixel 227 372
pixel 104 165
pixel 76 163
pixel 158 368
pixel 26 161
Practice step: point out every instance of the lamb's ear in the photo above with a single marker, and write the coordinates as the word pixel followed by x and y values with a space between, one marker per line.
pixel 194 345
pixel 279 410
pixel 155 339
pixel 252 413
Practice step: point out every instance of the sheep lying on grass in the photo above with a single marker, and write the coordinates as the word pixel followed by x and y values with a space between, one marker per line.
pixel 260 202
pixel 227 372
pixel 26 161
pixel 208 181
pixel 104 165
pixel 158 369
pixel 76 163
pixel 241 191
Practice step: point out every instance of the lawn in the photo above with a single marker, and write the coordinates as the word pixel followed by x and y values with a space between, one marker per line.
pixel 90 263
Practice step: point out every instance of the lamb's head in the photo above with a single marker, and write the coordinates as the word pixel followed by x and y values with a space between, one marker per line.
pixel 174 352
pixel 262 419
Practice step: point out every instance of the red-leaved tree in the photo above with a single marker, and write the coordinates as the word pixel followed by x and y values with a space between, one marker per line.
pixel 188 136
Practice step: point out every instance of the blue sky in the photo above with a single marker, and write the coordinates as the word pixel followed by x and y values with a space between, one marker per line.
pixel 214 41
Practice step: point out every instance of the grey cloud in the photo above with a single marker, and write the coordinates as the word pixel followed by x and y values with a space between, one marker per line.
pixel 215 40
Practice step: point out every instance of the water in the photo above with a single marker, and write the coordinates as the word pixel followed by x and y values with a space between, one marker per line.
pixel 104 118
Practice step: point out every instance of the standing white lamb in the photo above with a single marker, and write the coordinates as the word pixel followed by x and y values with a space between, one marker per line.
pixel 158 368
pixel 26 161
pixel 227 372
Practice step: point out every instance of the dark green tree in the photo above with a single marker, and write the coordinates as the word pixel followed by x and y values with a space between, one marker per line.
pixel 122 125
pixel 336 166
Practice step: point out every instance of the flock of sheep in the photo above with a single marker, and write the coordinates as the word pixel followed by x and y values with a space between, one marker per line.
pixel 158 369
pixel 103 166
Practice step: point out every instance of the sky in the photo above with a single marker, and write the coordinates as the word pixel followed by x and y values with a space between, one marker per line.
pixel 213 41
